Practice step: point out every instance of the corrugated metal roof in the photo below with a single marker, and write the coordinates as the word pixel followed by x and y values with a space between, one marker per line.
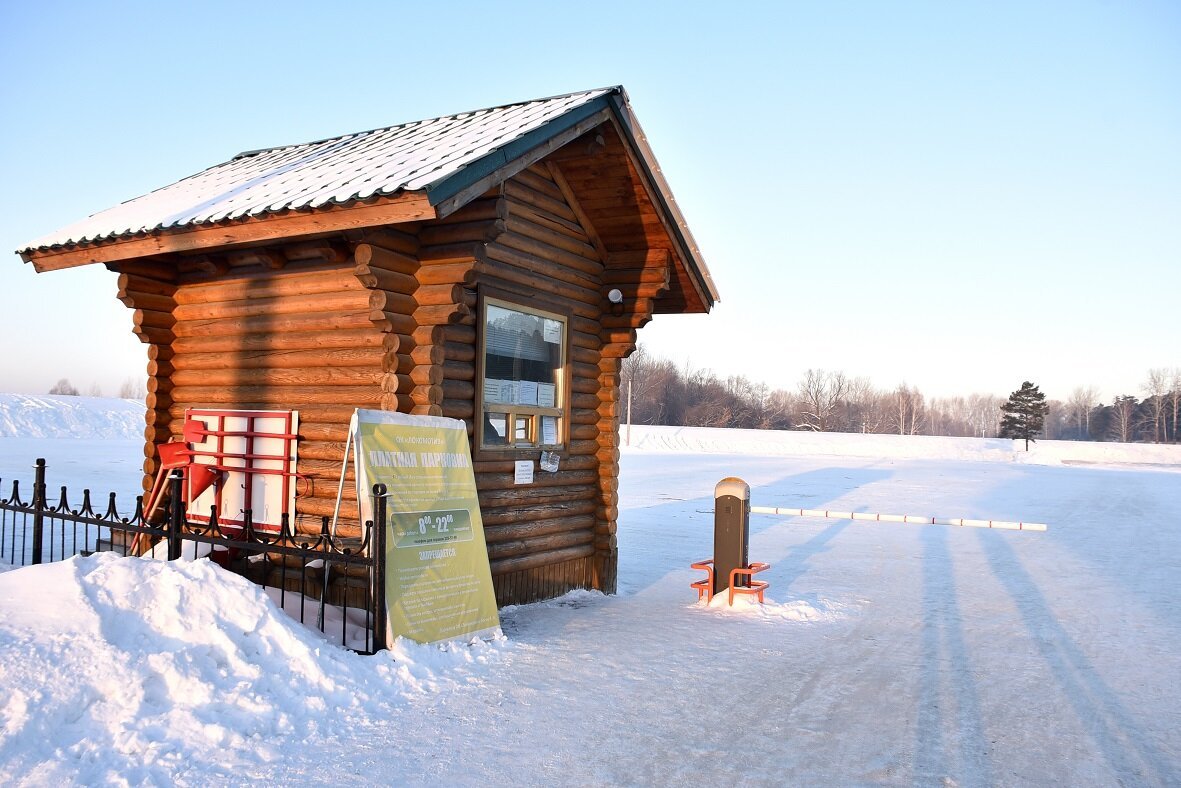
pixel 419 156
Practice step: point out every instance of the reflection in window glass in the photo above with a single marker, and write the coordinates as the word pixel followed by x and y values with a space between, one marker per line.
pixel 523 354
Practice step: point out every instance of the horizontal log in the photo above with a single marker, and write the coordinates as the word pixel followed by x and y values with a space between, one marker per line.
pixel 395 240
pixel 159 400
pixel 441 315
pixel 451 253
pixel 389 259
pixel 537 510
pixel 137 300
pixel 366 337
pixel 386 301
pixel 426 395
pixel 145 269
pixel 457 353
pixel 326 475
pixel 539 183
pixel 456 370
pixel 585 416
pixel 427 375
pixel 268 376
pixel 261 324
pixel 522 193
pixel 375 358
pixel 428 354
pixel 323 431
pixel 278 397
pixel 312 412
pixel 128 283
pixel 392 383
pixel 381 279
pixel 324 507
pixel 541 480
pixel 425 336
pixel 159 368
pixel 464 335
pixel 553 239
pixel 505 566
pixel 434 295
pixel 463 273
pixel 269 285
pixel 526 494
pixel 477 210
pixel 506 465
pixel 481 231
pixel 393 322
pixel 427 410
pixel 458 389
pixel 458 409
pixel 576 285
pixel 147 318
pixel 553 222
pixel 321 450
pixel 545 543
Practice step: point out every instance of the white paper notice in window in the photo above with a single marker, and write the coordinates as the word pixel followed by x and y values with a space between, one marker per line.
pixel 552 331
pixel 528 393
pixel 492 390
pixel 546 393
pixel 549 430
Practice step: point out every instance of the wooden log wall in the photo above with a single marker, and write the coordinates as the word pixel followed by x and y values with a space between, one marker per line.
pixel 317 330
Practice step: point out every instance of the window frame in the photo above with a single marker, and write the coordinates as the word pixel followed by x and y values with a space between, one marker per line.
pixel 530 306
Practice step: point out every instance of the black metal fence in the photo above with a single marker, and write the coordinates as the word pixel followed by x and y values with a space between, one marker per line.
pixel 336 583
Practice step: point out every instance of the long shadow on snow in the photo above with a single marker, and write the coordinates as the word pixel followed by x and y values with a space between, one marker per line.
pixel 1124 743
pixel 946 670
pixel 1119 523
pixel 690 523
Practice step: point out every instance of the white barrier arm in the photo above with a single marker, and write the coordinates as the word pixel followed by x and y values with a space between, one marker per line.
pixel 898 518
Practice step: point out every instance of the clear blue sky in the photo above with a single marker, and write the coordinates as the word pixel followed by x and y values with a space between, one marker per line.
pixel 961 196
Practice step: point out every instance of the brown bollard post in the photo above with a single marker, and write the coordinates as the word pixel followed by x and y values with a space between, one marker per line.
pixel 731 529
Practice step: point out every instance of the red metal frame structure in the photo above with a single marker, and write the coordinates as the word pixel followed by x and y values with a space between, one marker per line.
pixel 198 430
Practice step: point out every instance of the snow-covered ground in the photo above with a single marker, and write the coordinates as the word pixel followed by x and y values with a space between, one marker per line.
pixel 895 654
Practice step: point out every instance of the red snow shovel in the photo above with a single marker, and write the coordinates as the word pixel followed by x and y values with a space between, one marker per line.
pixel 175 455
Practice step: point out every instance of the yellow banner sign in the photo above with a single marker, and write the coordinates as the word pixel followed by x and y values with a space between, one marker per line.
pixel 438 583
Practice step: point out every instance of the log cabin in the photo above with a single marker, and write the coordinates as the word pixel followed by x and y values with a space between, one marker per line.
pixel 390 269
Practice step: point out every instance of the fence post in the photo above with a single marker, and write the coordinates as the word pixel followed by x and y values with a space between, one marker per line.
pixel 38 509
pixel 377 547
pixel 176 513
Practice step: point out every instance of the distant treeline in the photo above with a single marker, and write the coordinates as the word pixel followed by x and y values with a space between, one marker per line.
pixel 825 401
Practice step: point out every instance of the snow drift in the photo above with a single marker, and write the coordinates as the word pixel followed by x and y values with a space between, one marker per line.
pixel 126 670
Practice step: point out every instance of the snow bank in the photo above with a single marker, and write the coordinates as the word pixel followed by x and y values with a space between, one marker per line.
pixel 125 670
pixel 772 443
pixel 49 416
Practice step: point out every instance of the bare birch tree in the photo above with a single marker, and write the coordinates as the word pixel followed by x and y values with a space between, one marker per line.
pixel 1156 387
pixel 1082 401
pixel 908 410
pixel 821 393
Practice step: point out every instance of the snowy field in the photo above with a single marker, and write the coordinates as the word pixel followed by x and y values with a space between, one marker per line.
pixel 886 654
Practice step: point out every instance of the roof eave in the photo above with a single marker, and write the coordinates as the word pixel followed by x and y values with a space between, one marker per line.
pixel 404 207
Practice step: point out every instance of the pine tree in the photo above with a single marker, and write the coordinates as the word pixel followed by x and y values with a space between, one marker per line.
pixel 1024 414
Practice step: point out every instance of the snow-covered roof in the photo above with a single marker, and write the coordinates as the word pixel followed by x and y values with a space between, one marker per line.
pixel 425 155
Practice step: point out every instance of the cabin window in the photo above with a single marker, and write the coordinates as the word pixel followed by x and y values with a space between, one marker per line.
pixel 521 399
